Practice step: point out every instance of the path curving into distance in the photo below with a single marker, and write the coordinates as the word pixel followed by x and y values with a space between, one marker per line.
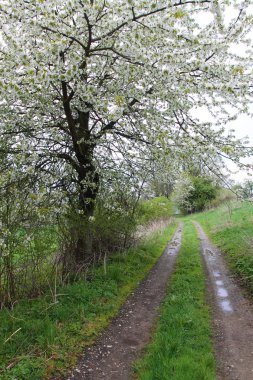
pixel 232 316
pixel 112 356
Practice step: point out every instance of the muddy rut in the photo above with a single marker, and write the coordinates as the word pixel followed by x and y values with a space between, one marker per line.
pixel 112 356
pixel 232 316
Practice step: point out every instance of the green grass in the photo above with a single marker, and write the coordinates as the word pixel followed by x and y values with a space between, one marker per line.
pixel 231 229
pixel 153 209
pixel 181 348
pixel 31 262
pixel 44 241
pixel 39 338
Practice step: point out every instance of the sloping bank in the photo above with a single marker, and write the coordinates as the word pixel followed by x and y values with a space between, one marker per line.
pixel 230 229
pixel 181 348
pixel 39 338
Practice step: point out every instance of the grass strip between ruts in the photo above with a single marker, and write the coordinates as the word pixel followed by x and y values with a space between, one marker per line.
pixel 39 338
pixel 181 348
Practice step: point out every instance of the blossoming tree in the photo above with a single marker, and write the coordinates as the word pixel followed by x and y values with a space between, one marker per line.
pixel 89 82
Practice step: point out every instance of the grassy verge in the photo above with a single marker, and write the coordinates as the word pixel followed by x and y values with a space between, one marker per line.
pixel 231 230
pixel 181 348
pixel 39 338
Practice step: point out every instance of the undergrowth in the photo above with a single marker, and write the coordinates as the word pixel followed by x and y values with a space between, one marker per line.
pixel 42 337
pixel 181 348
pixel 154 209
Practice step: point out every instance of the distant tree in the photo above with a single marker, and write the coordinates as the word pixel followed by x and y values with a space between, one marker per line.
pixel 203 192
pixel 182 189
pixel 245 189
pixel 193 194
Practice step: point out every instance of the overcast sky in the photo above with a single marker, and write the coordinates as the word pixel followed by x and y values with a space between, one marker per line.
pixel 243 126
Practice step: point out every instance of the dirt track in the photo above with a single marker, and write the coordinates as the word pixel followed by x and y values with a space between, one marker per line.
pixel 232 316
pixel 112 356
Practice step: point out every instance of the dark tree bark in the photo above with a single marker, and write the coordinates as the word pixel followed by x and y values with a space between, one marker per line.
pixel 87 177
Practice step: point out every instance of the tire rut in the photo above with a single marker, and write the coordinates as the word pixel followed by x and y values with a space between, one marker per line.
pixel 232 316
pixel 112 356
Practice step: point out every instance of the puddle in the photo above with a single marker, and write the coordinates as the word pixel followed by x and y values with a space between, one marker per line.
pixel 172 251
pixel 226 306
pixel 210 255
pixel 222 292
pixel 174 245
pixel 212 259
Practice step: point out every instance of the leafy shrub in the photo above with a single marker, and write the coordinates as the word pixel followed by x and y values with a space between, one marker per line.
pixel 222 196
pixel 203 192
pixel 193 194
pixel 153 209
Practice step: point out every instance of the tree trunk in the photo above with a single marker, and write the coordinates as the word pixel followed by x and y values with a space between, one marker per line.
pixel 88 184
pixel 87 198
pixel 10 284
pixel 84 144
